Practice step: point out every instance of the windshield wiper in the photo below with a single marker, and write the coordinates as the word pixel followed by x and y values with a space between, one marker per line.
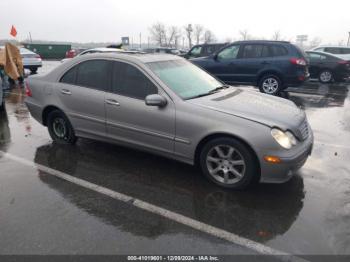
pixel 213 91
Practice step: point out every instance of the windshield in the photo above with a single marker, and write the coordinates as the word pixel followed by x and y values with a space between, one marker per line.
pixel 184 78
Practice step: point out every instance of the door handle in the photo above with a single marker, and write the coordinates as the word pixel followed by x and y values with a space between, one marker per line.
pixel 66 92
pixel 112 102
pixel 265 63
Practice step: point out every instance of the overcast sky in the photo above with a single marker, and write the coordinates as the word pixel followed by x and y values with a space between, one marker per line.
pixel 108 20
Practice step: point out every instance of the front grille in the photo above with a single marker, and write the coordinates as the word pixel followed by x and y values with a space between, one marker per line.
pixel 304 130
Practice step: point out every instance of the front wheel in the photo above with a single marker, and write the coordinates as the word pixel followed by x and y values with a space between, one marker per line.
pixel 270 84
pixel 33 70
pixel 325 76
pixel 228 163
pixel 60 129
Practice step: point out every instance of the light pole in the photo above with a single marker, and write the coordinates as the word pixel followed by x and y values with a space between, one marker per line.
pixel 348 40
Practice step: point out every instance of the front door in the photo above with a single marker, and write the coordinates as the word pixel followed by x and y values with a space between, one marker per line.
pixel 129 119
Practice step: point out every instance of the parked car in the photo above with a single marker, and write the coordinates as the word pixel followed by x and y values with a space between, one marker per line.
pixel 270 65
pixel 166 105
pixel 162 50
pixel 327 67
pixel 100 50
pixel 203 50
pixel 31 60
pixel 74 52
pixel 337 50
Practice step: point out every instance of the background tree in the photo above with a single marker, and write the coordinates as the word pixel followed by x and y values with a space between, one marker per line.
pixel 198 33
pixel 277 36
pixel 158 33
pixel 316 41
pixel 244 34
pixel 189 32
pixel 209 36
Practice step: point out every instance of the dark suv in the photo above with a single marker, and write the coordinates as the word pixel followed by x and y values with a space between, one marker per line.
pixel 203 50
pixel 270 65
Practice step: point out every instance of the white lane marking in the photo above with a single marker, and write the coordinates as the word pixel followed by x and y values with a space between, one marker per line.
pixel 211 230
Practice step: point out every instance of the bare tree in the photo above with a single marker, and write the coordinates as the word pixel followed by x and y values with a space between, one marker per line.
pixel 189 32
pixel 174 34
pixel 316 41
pixel 198 32
pixel 209 36
pixel 276 36
pixel 244 34
pixel 158 33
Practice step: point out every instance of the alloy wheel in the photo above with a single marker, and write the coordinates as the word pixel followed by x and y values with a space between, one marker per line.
pixel 225 164
pixel 326 76
pixel 270 85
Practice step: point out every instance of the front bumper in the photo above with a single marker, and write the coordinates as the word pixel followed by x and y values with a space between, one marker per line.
pixel 282 172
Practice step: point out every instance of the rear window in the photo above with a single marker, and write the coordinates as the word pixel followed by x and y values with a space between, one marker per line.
pixel 333 50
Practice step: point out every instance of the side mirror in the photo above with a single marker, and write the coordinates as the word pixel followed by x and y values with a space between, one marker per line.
pixel 215 57
pixel 156 100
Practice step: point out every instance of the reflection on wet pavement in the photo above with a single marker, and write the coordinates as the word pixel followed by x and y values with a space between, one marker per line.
pixel 308 215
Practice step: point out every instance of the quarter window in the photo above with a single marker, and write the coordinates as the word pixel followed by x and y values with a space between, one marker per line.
pixel 94 74
pixel 130 81
pixel 70 76
pixel 230 52
pixel 278 50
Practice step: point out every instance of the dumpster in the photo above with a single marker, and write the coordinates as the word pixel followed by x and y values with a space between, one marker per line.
pixel 49 51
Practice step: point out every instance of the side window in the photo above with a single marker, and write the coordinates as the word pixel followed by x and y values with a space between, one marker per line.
pixel 70 76
pixel 208 50
pixel 314 57
pixel 255 51
pixel 278 50
pixel 94 74
pixel 332 50
pixel 196 51
pixel 130 81
pixel 345 51
pixel 230 52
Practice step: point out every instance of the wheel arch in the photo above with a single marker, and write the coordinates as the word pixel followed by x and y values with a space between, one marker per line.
pixel 269 72
pixel 46 112
pixel 212 136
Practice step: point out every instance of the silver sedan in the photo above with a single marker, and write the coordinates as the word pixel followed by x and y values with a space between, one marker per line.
pixel 165 105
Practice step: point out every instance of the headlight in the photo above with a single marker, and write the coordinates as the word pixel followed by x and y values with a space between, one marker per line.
pixel 285 139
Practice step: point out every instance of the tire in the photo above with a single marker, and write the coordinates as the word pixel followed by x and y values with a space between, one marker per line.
pixel 325 76
pixel 241 160
pixel 270 84
pixel 60 129
pixel 33 70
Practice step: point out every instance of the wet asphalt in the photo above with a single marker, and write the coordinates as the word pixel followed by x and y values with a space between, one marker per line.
pixel 41 214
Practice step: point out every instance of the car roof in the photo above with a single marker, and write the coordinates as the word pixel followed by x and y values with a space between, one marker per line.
pixel 260 41
pixel 324 53
pixel 136 56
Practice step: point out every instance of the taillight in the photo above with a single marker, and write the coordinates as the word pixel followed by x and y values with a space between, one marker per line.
pixel 298 61
pixel 37 56
pixel 28 91
pixel 343 62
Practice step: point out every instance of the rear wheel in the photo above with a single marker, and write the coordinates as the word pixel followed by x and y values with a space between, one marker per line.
pixel 326 76
pixel 60 129
pixel 228 163
pixel 33 70
pixel 270 84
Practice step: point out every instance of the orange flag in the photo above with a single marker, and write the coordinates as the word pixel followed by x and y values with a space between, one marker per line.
pixel 13 31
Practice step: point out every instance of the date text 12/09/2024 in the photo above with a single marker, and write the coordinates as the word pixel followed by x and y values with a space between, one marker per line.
pixel 173 258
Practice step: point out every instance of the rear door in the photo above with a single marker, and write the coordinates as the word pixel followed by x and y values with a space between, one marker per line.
pixel 253 59
pixel 82 96
pixel 129 119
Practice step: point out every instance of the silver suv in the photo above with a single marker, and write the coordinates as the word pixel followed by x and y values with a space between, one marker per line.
pixel 168 106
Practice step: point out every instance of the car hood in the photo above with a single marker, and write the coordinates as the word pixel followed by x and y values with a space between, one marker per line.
pixel 265 109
